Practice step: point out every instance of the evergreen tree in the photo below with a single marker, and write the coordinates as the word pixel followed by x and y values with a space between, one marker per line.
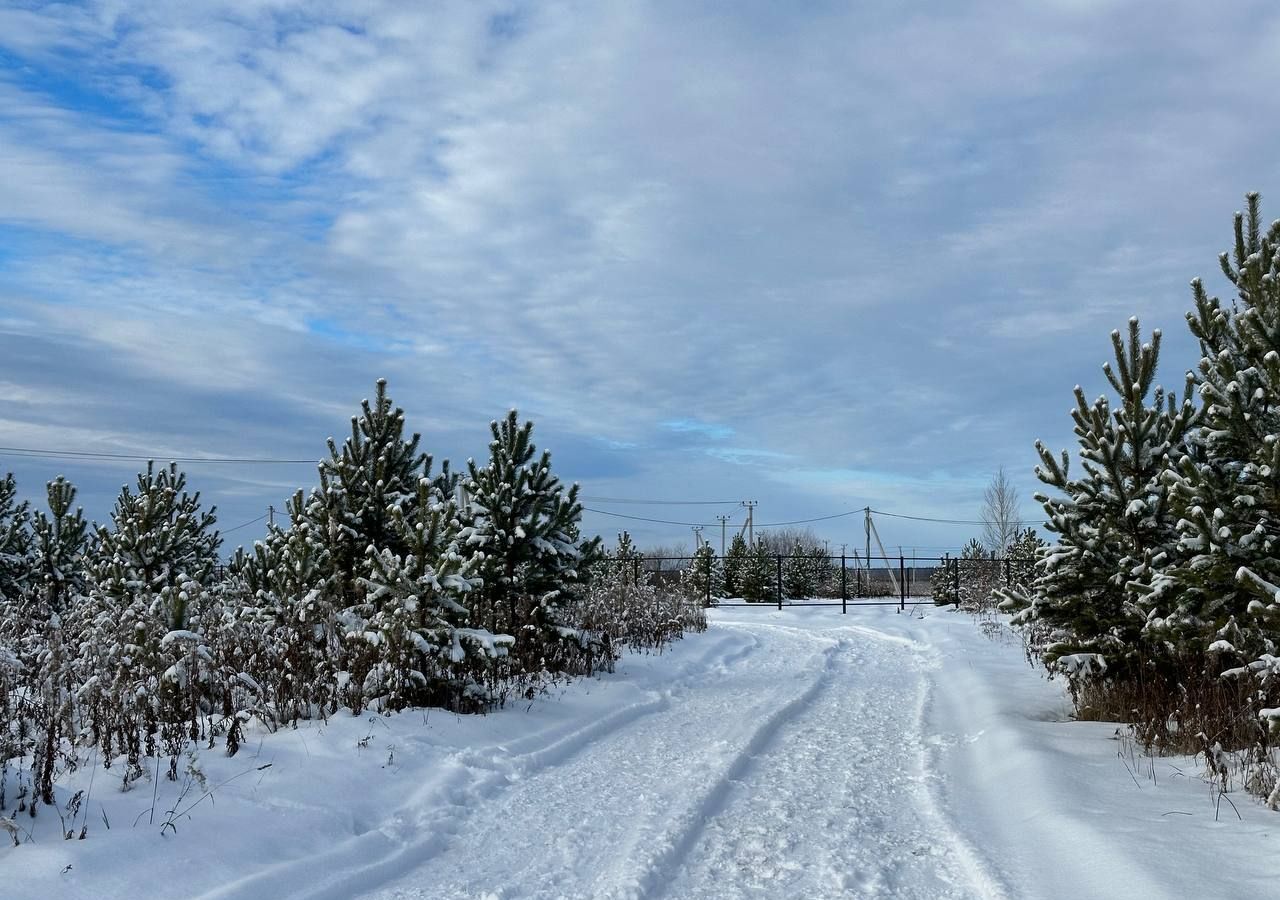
pixel 59 542
pixel 522 519
pixel 375 470
pixel 296 607
pixel 1023 552
pixel 15 551
pixel 138 628
pixel 735 566
pixel 759 575
pixel 706 573
pixel 801 573
pixel 1227 486
pixel 424 652
pixel 1114 524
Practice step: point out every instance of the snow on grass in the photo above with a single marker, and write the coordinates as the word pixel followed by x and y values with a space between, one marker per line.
pixel 793 753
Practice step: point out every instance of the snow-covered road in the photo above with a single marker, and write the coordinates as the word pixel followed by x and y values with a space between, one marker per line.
pixel 789 764
pixel 799 753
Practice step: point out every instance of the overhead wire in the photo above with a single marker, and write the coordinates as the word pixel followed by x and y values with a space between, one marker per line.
pixel 87 455
pixel 245 524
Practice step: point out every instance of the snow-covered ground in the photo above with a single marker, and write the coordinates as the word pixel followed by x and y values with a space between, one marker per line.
pixel 799 753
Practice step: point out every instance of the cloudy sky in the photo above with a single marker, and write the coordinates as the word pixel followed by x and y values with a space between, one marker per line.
pixel 819 255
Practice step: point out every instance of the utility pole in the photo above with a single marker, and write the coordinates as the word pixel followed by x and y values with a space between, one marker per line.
pixel 751 515
pixel 723 520
pixel 867 525
pixel 271 516
pixel 697 537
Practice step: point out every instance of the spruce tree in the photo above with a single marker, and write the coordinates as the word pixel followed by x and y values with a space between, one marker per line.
pixel 525 522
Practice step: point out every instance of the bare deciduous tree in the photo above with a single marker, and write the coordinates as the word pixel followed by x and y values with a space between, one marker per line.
pixel 1000 523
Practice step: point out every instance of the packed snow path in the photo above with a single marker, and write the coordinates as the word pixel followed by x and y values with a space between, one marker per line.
pixel 789 764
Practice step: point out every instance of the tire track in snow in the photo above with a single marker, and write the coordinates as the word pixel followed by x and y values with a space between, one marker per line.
pixel 600 826
pixel 406 839
pixel 837 803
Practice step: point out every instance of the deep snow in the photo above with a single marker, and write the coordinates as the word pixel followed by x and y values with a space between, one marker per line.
pixel 800 753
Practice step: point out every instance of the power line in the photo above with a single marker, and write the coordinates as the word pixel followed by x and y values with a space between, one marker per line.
pixel 605 512
pixel 36 453
pixel 245 525
pixel 880 512
pixel 660 502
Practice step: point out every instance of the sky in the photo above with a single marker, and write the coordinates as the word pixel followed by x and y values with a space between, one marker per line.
pixel 817 255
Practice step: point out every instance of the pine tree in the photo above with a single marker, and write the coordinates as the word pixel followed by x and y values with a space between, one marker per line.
pixel 425 653
pixel 139 645
pixel 706 573
pixel 800 573
pixel 375 470
pixel 59 543
pixel 15 553
pixel 1227 485
pixel 522 519
pixel 735 566
pixel 295 606
pixel 1023 552
pixel 759 576
pixel 1114 524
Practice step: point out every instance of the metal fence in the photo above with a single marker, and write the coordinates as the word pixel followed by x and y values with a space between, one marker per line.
pixel 842 581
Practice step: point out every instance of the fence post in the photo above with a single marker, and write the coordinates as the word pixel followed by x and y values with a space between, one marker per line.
pixel 902 583
pixel 844 586
pixel 708 573
pixel 779 581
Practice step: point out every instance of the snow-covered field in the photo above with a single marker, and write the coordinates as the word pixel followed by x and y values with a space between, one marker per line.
pixel 799 753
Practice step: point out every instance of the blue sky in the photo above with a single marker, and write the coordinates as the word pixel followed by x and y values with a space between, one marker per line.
pixel 819 255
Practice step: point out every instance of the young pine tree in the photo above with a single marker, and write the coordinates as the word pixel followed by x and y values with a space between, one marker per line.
pixel 138 627
pixel 376 469
pixel 525 523
pixel 15 553
pixel 1227 485
pixel 424 654
pixel 735 566
pixel 759 575
pixel 1114 523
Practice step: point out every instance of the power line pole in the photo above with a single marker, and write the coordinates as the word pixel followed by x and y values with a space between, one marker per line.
pixel 723 520
pixel 697 537
pixel 271 516
pixel 867 526
pixel 751 515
